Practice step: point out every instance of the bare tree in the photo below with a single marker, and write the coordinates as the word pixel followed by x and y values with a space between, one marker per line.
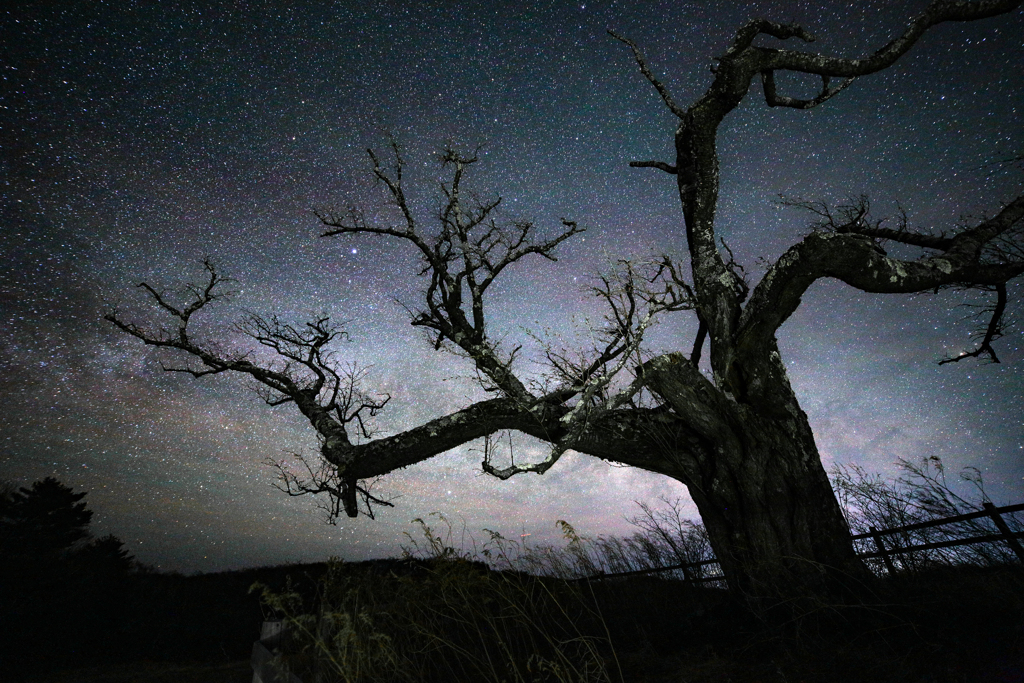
pixel 738 440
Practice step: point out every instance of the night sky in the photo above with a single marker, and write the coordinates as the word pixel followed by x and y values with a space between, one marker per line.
pixel 139 138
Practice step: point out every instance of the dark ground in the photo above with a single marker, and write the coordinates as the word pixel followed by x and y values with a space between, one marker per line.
pixel 155 672
pixel 960 625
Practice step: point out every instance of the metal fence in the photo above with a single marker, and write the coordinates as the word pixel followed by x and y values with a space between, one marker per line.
pixel 995 514
pixel 881 549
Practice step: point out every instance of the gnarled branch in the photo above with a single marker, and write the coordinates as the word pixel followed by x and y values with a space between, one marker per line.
pixel 853 257
pixel 773 99
pixel 993 330
pixel 469 251
pixel 937 12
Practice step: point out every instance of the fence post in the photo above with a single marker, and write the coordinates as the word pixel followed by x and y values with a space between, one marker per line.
pixel 877 537
pixel 264 667
pixel 1004 530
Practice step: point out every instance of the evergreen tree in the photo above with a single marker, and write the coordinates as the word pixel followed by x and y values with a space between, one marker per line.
pixel 44 521
pixel 66 591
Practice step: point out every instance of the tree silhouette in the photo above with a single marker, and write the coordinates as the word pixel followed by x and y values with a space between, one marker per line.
pixel 736 437
pixel 44 521
pixel 63 589
pixel 106 556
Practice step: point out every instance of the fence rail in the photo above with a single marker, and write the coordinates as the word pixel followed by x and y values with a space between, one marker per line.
pixel 989 510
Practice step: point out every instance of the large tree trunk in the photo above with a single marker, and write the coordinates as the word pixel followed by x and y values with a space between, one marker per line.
pixel 771 515
pixel 757 479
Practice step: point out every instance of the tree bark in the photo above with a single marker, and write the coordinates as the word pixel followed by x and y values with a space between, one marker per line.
pixel 762 492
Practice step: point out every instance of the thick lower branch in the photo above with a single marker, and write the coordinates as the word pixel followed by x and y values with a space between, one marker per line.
pixel 630 437
pixel 421 443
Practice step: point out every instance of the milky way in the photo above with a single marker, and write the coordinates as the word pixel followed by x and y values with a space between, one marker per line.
pixel 140 138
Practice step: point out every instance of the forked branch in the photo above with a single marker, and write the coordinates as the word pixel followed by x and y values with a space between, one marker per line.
pixel 937 12
pixel 985 257
pixel 774 99
pixel 993 330
pixel 462 259
pixel 343 493
pixel 634 302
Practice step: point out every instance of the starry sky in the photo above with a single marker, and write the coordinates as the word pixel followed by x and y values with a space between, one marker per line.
pixel 139 138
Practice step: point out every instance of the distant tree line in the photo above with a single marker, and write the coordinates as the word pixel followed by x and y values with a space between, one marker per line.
pixel 46 527
pixel 69 599
pixel 60 587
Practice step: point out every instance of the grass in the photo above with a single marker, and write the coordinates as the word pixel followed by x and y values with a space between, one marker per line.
pixel 450 620
pixel 507 612
pixel 445 617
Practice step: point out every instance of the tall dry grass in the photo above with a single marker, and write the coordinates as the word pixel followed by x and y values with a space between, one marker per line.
pixel 507 611
pixel 921 493
pixel 442 615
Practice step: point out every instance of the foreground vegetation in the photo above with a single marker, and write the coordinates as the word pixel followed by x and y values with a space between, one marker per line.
pixel 501 610
pixel 451 620
pixel 505 611
pixel 69 600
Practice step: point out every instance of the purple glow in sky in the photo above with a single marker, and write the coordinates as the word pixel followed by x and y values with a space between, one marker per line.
pixel 139 138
